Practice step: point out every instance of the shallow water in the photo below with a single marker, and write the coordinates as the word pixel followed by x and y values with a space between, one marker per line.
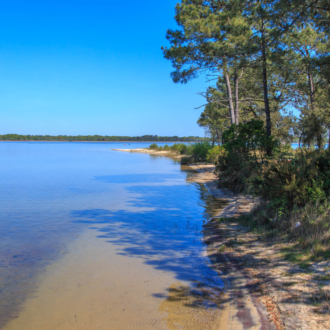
pixel 94 238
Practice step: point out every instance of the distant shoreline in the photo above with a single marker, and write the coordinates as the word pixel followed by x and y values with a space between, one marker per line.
pixel 100 141
pixel 153 152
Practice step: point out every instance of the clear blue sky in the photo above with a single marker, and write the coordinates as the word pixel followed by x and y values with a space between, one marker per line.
pixel 91 67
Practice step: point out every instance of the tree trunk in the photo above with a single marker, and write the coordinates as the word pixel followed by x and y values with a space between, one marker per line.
pixel 319 141
pixel 236 98
pixel 229 94
pixel 218 137
pixel 312 100
pixel 311 87
pixel 265 84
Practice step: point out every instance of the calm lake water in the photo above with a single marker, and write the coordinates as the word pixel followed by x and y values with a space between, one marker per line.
pixel 94 238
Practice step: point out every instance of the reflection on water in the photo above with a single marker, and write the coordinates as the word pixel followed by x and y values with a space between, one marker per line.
pixel 141 207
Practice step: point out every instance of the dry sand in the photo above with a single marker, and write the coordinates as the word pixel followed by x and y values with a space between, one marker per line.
pixel 152 152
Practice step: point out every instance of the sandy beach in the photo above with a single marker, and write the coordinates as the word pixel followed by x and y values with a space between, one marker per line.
pixel 152 152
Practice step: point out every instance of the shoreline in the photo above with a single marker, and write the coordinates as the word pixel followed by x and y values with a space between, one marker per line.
pixel 152 152
pixel 99 141
pixel 265 291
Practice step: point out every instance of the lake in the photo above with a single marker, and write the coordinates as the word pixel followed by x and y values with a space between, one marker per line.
pixel 98 239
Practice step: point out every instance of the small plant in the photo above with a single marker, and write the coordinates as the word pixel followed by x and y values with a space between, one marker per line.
pixel 325 277
pixel 222 248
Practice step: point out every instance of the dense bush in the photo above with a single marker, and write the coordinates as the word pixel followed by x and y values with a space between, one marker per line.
pixel 288 179
pixel 295 182
pixel 243 154
pixel 214 153
pixel 199 151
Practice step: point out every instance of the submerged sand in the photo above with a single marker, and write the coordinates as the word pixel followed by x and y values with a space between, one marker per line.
pixel 113 291
pixel 95 287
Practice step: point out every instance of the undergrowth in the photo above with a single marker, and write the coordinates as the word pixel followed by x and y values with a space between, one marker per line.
pixel 306 229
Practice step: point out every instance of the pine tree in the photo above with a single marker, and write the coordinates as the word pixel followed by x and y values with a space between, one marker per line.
pixel 208 40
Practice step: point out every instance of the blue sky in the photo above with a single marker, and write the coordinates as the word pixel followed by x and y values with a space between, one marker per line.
pixel 91 67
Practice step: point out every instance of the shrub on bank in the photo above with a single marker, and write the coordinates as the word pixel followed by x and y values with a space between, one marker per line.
pixel 181 148
pixel 304 179
pixel 243 154
pixel 214 153
pixel 286 179
pixel 197 152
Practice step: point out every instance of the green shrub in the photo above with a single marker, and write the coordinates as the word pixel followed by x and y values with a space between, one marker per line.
pixel 285 151
pixel 236 171
pixel 214 153
pixel 250 139
pixel 199 151
pixel 244 154
pixel 296 182
pixel 176 147
pixel 180 148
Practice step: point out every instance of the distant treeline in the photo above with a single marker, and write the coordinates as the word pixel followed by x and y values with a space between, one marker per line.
pixel 153 138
